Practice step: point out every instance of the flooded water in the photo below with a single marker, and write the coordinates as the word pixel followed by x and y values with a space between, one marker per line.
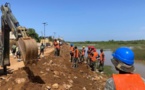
pixel 139 66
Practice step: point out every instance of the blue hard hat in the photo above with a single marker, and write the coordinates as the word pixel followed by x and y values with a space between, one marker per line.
pixel 124 55
pixel 71 44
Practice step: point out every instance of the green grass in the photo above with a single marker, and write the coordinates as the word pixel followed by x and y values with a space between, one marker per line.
pixel 108 70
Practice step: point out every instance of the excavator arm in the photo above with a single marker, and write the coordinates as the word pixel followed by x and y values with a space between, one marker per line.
pixel 26 44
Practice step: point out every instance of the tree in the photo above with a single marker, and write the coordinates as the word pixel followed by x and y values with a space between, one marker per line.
pixel 31 32
pixel 50 38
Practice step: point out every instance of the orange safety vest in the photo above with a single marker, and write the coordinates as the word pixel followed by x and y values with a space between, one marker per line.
pixel 102 56
pixel 83 51
pixel 95 54
pixel 76 53
pixel 128 82
pixel 73 52
pixel 71 48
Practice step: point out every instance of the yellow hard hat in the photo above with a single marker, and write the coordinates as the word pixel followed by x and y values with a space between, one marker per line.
pixel 83 46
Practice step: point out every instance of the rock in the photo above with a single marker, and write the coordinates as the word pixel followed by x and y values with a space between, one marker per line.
pixel 81 71
pixel 20 80
pixel 63 74
pixel 96 78
pixel 48 88
pixel 56 73
pixel 9 88
pixel 70 81
pixel 75 77
pixel 67 86
pixel 55 86
pixel 44 63
pixel 91 84
pixel 50 62
pixel 2 78
pixel 69 77
pixel 47 69
pixel 101 77
pixel 41 72
pixel 55 76
pixel 84 88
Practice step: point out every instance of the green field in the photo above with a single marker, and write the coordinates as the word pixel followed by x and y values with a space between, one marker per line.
pixel 138 46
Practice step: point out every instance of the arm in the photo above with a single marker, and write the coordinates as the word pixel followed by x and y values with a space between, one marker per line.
pixel 109 84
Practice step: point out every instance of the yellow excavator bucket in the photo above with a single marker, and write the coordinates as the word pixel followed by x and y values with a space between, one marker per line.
pixel 29 50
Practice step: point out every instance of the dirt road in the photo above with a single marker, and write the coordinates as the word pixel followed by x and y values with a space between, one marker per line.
pixel 15 65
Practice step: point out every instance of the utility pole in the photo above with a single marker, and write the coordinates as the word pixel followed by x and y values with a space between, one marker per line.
pixel 44 27
pixel 44 30
pixel 54 35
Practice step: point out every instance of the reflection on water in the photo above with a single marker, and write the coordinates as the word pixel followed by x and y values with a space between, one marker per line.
pixel 139 66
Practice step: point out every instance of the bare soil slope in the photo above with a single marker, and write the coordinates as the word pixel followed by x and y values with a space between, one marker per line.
pixel 53 73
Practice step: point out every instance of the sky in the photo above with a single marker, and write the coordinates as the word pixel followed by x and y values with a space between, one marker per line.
pixel 82 20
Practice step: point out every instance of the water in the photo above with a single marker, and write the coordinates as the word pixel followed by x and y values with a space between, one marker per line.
pixel 139 66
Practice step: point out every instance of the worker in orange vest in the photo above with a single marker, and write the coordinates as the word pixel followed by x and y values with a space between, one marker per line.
pixel 94 55
pixel 88 55
pixel 101 61
pixel 71 52
pixel 76 56
pixel 57 47
pixel 123 60
pixel 82 57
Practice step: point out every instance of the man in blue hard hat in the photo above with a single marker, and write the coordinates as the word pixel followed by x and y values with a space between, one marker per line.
pixel 123 60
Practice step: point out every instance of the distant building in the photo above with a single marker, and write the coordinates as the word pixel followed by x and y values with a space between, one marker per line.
pixel 46 41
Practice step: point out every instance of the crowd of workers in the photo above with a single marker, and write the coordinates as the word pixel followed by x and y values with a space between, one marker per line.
pixel 93 60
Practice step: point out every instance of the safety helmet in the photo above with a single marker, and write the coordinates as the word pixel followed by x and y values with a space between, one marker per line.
pixel 71 44
pixel 125 55
pixel 92 47
pixel 83 47
pixel 94 50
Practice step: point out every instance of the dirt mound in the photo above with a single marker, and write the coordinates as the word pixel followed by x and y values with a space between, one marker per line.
pixel 53 73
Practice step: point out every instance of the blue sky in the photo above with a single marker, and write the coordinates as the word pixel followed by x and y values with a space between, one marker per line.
pixel 82 20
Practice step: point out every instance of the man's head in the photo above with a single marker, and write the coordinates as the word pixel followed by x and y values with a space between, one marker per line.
pixel 101 50
pixel 75 47
pixel 123 59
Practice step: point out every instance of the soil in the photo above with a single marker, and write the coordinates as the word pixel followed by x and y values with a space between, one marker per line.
pixel 53 72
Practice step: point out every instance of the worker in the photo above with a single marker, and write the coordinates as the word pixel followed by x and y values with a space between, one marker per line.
pixel 82 54
pixel 42 49
pixel 76 56
pixel 88 56
pixel 14 49
pixel 101 61
pixel 18 55
pixel 57 47
pixel 123 60
pixel 94 55
pixel 71 52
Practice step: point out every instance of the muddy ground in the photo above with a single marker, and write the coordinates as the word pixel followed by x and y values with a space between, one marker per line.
pixel 53 73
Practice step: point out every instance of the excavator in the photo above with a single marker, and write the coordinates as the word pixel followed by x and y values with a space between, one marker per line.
pixel 27 45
